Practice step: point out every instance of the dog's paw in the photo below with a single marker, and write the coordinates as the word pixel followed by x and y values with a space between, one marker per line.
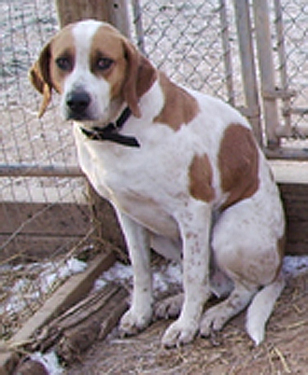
pixel 169 307
pixel 133 322
pixel 213 320
pixel 179 333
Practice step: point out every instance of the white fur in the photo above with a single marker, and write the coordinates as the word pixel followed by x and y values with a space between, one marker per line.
pixel 149 188
pixel 81 78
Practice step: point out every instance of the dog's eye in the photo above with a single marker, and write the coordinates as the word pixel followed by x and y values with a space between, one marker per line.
pixel 64 63
pixel 104 63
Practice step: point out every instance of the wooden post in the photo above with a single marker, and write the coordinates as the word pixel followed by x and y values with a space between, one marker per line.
pixel 112 11
pixel 267 73
pixel 244 32
pixel 116 13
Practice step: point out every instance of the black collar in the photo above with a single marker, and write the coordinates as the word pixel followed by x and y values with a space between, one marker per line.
pixel 110 132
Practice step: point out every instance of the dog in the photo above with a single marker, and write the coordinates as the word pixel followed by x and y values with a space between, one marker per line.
pixel 184 174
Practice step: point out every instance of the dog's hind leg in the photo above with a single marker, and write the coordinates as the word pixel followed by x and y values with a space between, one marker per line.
pixel 169 307
pixel 261 307
pixel 247 250
pixel 258 312
pixel 216 317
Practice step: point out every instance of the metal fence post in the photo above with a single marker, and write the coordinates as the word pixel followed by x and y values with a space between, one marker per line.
pixel 244 31
pixel 227 51
pixel 267 73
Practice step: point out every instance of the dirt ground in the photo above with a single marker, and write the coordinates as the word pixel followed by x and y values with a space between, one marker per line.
pixel 284 350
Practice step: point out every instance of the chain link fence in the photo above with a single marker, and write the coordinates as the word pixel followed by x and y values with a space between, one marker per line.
pixel 186 39
pixel 294 37
pixel 195 42
pixel 37 242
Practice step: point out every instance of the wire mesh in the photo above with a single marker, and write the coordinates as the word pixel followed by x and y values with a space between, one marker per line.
pixel 295 39
pixel 184 38
pixel 34 250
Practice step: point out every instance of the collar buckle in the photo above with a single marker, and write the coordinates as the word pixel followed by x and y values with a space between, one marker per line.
pixel 111 132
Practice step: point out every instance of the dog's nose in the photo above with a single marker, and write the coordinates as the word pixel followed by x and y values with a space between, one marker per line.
pixel 78 101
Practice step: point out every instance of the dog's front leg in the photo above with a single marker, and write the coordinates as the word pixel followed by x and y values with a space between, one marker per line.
pixel 138 242
pixel 194 225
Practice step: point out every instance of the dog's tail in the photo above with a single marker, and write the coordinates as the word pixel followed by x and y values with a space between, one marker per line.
pixel 261 308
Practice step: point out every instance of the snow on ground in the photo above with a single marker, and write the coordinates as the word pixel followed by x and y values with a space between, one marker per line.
pixel 49 361
pixel 22 290
pixel 294 266
pixel 171 274
pixel 164 277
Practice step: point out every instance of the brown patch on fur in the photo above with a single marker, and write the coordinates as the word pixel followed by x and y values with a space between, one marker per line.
pixel 180 107
pixel 132 75
pixel 107 43
pixel 238 164
pixel 62 45
pixel 43 75
pixel 200 178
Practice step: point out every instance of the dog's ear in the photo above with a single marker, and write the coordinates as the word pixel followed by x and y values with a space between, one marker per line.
pixel 39 76
pixel 140 76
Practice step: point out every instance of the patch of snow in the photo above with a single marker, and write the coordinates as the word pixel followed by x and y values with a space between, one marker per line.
pixel 49 361
pixel 123 274
pixel 294 266
pixel 99 284
pixel 27 290
pixel 171 274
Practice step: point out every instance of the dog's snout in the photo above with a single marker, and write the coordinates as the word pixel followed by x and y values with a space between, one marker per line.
pixel 78 102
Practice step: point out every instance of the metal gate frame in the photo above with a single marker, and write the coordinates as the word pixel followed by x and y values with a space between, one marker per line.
pixel 272 89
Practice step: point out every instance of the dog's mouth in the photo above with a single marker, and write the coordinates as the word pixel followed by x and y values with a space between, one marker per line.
pixel 76 116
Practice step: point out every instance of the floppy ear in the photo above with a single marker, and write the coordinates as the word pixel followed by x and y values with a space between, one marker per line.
pixel 140 75
pixel 40 78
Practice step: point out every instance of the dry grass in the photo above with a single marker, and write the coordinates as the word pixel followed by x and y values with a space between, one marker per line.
pixel 283 352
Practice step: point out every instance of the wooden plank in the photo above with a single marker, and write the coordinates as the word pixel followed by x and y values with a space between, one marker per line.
pixel 93 319
pixel 8 361
pixel 106 222
pixel 290 172
pixel 61 219
pixel 74 289
pixel 37 231
pixel 25 248
pixel 295 199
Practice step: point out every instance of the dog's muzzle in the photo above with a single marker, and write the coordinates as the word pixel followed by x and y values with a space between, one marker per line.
pixel 77 104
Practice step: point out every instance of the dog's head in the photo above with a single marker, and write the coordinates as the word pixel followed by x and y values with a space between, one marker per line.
pixel 95 69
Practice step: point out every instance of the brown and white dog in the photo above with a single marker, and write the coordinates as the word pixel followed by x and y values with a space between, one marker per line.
pixel 183 172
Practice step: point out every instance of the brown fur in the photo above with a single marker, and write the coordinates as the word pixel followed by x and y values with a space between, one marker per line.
pixel 200 177
pixel 180 107
pixel 238 164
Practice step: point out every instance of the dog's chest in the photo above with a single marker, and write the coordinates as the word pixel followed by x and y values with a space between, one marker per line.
pixel 139 184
